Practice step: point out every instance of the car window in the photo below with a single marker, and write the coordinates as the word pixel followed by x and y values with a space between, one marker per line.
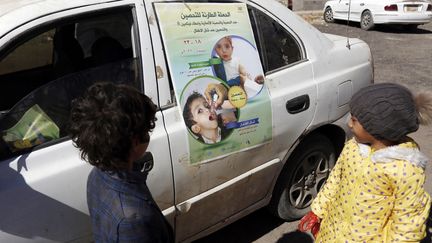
pixel 71 55
pixel 277 46
pixel 18 60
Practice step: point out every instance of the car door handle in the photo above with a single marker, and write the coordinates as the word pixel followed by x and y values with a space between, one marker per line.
pixel 298 104
pixel 145 163
pixel 346 3
pixel 361 4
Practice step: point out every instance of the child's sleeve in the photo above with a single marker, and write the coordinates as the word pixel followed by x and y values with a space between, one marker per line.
pixel 146 228
pixel 328 191
pixel 411 206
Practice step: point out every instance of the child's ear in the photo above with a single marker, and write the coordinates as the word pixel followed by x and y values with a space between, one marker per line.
pixel 135 141
pixel 133 152
pixel 196 128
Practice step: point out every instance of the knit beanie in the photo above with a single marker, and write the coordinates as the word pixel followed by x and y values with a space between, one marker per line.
pixel 387 111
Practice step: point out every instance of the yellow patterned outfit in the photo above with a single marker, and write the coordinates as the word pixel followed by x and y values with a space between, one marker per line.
pixel 374 196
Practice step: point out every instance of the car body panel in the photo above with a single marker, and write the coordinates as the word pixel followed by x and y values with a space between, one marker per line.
pixel 197 199
pixel 29 192
pixel 193 200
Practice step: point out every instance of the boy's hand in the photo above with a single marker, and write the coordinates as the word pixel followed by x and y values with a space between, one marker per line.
pixel 310 222
pixel 221 92
pixel 259 79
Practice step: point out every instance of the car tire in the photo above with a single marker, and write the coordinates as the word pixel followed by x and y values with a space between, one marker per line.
pixel 366 21
pixel 302 176
pixel 328 15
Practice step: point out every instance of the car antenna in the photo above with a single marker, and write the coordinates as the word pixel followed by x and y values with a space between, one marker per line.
pixel 187 6
pixel 349 14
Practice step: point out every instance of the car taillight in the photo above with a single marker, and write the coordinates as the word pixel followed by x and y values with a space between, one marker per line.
pixel 392 7
pixel 429 7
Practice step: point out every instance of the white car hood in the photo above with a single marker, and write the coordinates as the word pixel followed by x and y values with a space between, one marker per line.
pixel 413 1
pixel 339 38
pixel 335 37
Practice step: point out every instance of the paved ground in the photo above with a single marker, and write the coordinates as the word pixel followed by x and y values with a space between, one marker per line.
pixel 401 57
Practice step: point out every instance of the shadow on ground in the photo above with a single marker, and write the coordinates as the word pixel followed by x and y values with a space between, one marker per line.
pixel 295 236
pixel 256 225
pixel 395 29
pixel 428 238
pixel 400 29
pixel 247 229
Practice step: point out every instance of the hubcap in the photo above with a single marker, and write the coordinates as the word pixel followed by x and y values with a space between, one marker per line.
pixel 309 176
pixel 329 15
pixel 309 180
pixel 366 20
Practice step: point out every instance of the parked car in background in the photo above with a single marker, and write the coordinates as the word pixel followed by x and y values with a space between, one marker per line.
pixel 371 12
pixel 278 133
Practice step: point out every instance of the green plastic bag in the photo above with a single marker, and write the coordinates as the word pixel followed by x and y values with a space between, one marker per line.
pixel 35 127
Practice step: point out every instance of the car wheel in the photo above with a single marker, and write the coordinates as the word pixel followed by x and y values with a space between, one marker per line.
pixel 328 15
pixel 302 177
pixel 367 22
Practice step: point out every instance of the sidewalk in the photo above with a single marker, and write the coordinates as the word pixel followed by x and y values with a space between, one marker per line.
pixel 313 16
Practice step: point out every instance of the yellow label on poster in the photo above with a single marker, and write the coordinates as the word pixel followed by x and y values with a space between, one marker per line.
pixel 237 96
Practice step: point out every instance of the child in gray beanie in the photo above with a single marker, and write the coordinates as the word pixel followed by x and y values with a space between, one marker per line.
pixel 375 192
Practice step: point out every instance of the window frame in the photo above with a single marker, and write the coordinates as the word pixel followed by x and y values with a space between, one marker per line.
pixel 39 26
pixel 303 54
pixel 17 44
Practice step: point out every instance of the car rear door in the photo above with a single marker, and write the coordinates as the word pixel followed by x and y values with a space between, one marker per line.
pixel 356 9
pixel 341 9
pixel 213 190
pixel 209 191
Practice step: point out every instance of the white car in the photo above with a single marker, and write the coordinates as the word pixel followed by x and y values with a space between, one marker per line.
pixel 371 12
pixel 285 132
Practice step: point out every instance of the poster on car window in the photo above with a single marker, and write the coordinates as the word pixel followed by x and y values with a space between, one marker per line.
pixel 217 77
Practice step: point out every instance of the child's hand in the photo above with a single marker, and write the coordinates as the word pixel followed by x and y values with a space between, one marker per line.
pixel 310 222
pixel 259 79
pixel 221 91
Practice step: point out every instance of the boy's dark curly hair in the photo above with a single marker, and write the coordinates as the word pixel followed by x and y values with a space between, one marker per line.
pixel 105 120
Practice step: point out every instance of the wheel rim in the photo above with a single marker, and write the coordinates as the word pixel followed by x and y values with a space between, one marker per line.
pixel 328 15
pixel 366 20
pixel 309 177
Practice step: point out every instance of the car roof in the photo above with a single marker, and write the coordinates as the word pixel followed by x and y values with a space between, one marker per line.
pixel 7 6
pixel 38 6
pixel 14 12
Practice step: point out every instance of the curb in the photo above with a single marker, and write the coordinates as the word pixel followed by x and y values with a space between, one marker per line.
pixel 309 12
pixel 313 16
